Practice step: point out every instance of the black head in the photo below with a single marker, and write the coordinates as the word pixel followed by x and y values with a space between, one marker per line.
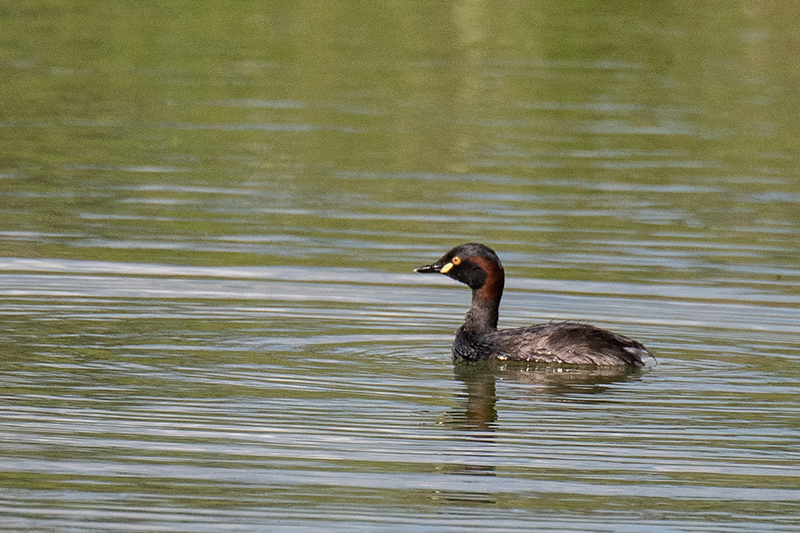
pixel 470 264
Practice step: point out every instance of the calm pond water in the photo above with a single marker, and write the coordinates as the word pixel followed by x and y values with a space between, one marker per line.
pixel 209 217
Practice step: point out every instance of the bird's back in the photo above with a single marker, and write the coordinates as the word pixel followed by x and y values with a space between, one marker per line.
pixel 553 342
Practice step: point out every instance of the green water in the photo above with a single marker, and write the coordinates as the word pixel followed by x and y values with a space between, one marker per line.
pixel 209 215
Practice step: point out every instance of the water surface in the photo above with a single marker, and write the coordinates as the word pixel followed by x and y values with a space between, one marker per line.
pixel 209 218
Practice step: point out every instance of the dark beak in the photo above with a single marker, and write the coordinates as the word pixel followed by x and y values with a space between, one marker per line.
pixel 429 269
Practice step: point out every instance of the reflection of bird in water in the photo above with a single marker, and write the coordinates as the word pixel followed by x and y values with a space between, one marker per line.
pixel 476 418
pixel 477 266
pixel 480 396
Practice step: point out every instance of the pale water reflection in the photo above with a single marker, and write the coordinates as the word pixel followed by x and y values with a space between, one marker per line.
pixel 211 397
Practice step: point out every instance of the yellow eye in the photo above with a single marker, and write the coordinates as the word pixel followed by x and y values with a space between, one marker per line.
pixel 456 260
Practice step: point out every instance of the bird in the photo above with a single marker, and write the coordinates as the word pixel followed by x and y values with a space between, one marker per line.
pixel 478 339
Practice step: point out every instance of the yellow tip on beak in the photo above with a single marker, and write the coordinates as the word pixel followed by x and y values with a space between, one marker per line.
pixel 445 269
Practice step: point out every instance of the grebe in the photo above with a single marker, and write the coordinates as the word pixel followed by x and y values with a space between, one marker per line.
pixel 478 267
